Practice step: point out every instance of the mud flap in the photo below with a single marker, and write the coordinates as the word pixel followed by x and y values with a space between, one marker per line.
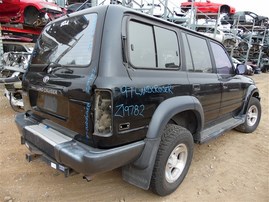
pixel 139 173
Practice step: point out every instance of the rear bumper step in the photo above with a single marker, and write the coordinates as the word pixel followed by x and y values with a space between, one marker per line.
pixel 64 153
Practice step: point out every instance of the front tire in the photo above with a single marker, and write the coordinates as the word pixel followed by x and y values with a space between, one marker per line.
pixel 253 117
pixel 173 160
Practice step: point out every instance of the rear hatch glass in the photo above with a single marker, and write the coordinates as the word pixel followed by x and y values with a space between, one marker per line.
pixel 67 42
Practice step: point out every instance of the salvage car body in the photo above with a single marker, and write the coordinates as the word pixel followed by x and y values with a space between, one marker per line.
pixel 14 63
pixel 28 12
pixel 245 18
pixel 93 104
pixel 211 31
pixel 208 7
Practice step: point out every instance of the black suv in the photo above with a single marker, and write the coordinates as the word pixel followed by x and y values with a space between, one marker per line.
pixel 109 87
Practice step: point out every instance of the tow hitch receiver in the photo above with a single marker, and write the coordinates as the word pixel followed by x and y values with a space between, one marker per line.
pixel 64 169
pixel 30 157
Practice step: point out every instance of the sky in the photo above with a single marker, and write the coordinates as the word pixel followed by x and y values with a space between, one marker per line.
pixel 259 7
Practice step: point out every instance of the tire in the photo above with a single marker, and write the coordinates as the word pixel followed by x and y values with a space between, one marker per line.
pixel 173 160
pixel 253 116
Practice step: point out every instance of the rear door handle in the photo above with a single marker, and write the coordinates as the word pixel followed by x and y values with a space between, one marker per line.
pixel 224 86
pixel 196 87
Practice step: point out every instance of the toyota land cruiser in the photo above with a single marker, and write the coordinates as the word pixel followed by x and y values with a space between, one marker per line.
pixel 109 87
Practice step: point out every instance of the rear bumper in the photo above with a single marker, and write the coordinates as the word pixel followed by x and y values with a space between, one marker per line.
pixel 41 139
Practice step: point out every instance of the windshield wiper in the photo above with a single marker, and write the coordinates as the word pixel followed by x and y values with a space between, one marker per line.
pixel 67 70
pixel 54 66
pixel 51 65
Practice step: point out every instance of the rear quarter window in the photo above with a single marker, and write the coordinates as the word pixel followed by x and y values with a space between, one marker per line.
pixel 152 46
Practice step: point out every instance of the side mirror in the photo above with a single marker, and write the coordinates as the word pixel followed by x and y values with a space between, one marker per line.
pixel 241 69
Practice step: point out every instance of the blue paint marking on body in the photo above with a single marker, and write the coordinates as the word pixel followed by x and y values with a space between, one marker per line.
pixel 129 110
pixel 88 89
pixel 131 91
pixel 87 112
pixel 89 81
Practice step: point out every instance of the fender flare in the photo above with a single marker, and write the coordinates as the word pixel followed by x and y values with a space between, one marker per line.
pixel 169 108
pixel 139 172
pixel 250 92
pixel 165 111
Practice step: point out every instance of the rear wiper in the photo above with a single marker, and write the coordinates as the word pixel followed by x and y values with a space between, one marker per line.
pixel 67 70
pixel 51 65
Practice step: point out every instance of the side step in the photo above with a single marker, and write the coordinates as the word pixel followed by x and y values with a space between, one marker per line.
pixel 220 128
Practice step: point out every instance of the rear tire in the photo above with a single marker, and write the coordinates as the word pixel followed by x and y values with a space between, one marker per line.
pixel 253 117
pixel 173 160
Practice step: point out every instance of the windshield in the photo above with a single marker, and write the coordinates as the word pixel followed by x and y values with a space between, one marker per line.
pixel 67 42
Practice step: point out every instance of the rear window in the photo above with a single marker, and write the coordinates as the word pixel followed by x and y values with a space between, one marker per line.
pixel 67 42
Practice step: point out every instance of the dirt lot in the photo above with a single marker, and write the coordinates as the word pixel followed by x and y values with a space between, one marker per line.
pixel 234 167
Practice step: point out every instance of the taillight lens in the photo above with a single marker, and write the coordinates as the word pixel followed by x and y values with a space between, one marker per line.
pixel 103 113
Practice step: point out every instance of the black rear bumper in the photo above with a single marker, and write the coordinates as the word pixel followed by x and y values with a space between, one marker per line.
pixel 66 151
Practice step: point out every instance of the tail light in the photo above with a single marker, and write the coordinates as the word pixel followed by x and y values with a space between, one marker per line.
pixel 103 113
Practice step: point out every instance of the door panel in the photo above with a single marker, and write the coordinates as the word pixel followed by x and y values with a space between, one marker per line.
pixel 232 90
pixel 232 96
pixel 205 83
pixel 208 93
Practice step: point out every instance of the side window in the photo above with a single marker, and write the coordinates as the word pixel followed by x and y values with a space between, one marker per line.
pixel 189 65
pixel 152 46
pixel 200 54
pixel 167 48
pixel 223 63
pixel 141 45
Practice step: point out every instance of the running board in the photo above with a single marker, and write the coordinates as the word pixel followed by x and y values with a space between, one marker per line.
pixel 220 128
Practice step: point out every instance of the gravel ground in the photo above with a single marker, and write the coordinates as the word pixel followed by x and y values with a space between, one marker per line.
pixel 232 168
